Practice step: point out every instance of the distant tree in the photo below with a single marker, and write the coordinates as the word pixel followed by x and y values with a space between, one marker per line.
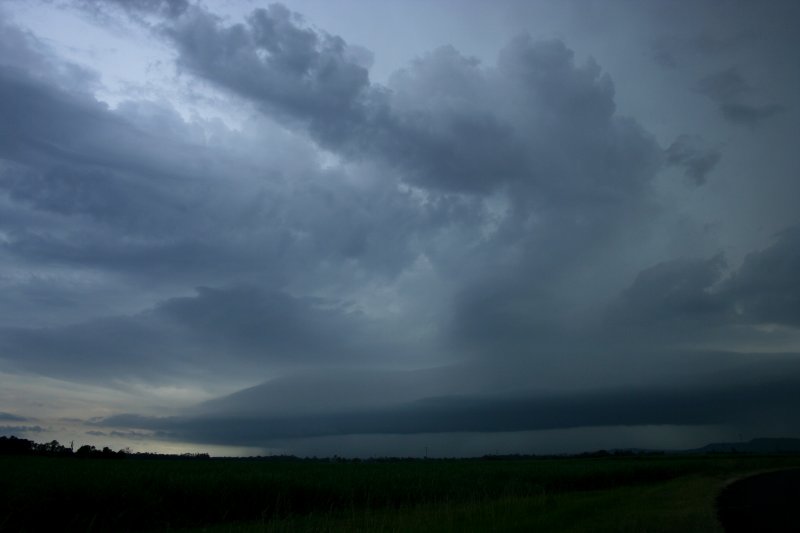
pixel 85 451
pixel 52 448
pixel 15 446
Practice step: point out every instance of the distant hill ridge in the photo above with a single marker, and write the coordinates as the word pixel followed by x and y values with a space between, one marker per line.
pixel 761 445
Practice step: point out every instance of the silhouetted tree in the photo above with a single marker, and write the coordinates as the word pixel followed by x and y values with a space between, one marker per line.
pixel 15 446
pixel 85 451
pixel 52 448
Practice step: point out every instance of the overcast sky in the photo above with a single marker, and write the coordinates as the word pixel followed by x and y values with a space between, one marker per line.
pixel 367 228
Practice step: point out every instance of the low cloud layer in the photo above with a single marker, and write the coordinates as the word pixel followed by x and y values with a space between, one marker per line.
pixel 742 403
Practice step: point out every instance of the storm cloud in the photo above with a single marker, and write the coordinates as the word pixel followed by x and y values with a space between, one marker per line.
pixel 765 289
pixel 729 404
pixel 446 122
pixel 736 99
pixel 246 227
pixel 235 330
pixel 169 8
pixel 9 417
pixel 697 161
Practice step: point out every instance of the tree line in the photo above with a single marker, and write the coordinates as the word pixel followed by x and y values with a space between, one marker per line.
pixel 16 446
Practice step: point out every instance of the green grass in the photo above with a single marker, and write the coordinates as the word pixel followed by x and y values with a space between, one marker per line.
pixel 685 504
pixel 602 494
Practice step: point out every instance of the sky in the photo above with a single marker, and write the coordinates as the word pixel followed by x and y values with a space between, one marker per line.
pixel 400 227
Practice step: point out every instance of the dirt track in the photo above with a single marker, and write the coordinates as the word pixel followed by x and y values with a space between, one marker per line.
pixel 767 502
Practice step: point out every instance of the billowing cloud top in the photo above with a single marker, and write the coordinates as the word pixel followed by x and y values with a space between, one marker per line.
pixel 468 245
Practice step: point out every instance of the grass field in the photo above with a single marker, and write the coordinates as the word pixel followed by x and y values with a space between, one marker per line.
pixel 646 493
pixel 681 505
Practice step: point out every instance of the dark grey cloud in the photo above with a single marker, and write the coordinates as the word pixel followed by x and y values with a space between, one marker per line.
pixel 734 96
pixel 66 153
pixel 222 332
pixel 726 404
pixel 334 390
pixel 497 316
pixel 293 71
pixel 446 122
pixel 132 192
pixel 706 41
pixel 676 289
pixel 267 324
pixel 481 221
pixel 718 389
pixel 26 57
pixel 667 306
pixel 690 154
pixel 9 417
pixel 156 206
pixel 17 430
pixel 662 52
pixel 306 76
pixel 535 370
pixel 82 352
pixel 694 294
pixel 748 114
pixel 168 8
pixel 725 86
pixel 128 435
pixel 766 288
pixel 138 190
pixel 673 296
pixel 584 175
pixel 707 30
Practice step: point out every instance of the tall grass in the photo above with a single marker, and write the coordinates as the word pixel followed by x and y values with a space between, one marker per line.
pixel 40 493
pixel 682 505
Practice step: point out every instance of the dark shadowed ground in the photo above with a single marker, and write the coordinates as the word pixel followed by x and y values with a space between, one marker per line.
pixel 767 502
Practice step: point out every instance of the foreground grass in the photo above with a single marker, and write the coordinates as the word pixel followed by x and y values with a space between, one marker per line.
pixel 681 505
pixel 577 494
